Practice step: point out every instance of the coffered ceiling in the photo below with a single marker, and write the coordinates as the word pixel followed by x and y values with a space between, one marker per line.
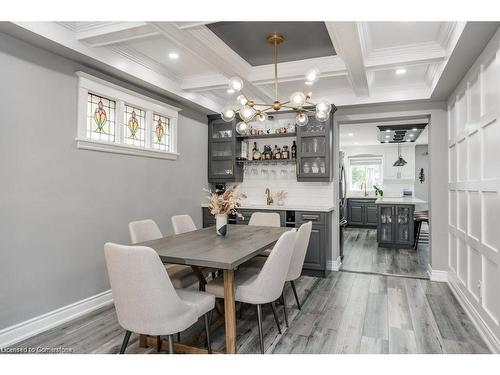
pixel 192 61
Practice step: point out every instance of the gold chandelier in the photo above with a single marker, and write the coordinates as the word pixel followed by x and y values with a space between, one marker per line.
pixel 248 110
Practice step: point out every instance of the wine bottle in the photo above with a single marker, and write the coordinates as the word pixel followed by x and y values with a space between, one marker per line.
pixel 294 150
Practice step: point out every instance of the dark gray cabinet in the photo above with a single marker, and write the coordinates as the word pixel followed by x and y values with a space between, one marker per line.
pixel 320 243
pixel 395 225
pixel 314 150
pixel 362 212
pixel 222 151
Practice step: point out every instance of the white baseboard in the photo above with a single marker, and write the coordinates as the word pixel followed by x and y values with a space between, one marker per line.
pixel 437 275
pixel 488 336
pixel 334 265
pixel 31 327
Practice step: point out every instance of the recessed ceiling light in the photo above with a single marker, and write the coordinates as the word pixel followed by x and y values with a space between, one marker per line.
pixel 386 141
pixel 173 55
pixel 388 136
pixel 415 129
pixel 230 91
pixel 408 140
pixel 400 71
pixel 351 134
pixel 410 135
pixel 388 130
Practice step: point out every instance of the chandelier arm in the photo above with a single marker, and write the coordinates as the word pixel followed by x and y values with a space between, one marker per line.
pixel 276 69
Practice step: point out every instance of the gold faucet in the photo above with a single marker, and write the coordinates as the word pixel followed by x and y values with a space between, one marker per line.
pixel 269 199
pixel 363 184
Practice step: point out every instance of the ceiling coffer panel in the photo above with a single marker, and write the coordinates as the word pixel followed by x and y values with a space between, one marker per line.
pixel 304 40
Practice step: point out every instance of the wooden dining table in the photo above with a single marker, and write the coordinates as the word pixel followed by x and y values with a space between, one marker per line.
pixel 204 248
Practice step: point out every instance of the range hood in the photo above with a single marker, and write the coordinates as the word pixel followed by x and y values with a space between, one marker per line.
pixel 400 161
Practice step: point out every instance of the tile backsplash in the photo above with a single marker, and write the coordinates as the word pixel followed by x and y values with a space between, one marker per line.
pixel 283 177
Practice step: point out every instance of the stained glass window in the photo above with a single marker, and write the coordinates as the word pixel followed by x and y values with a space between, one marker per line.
pixel 100 118
pixel 161 132
pixel 134 126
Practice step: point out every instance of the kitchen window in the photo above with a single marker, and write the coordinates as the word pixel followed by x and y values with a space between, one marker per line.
pixel 365 172
pixel 117 120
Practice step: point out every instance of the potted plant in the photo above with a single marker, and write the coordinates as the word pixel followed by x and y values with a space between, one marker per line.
pixel 220 205
pixel 280 197
pixel 378 191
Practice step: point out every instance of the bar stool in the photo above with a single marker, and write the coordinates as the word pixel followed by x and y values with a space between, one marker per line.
pixel 419 218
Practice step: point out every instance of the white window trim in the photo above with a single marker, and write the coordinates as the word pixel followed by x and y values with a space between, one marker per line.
pixel 88 83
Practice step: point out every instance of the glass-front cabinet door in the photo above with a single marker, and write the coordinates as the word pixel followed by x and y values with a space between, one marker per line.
pixel 314 150
pixel 385 230
pixel 222 149
pixel 404 231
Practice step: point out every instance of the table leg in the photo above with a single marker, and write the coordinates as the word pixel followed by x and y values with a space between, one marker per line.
pixel 229 312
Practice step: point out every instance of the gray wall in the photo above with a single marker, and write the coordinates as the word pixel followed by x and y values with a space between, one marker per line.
pixel 422 161
pixel 58 204
pixel 438 163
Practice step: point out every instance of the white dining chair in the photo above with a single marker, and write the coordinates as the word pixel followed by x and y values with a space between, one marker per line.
pixel 146 302
pixel 296 263
pixel 265 219
pixel 183 224
pixel 261 286
pixel 147 230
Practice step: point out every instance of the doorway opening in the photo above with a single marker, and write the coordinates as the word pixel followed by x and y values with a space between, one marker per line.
pixel 384 190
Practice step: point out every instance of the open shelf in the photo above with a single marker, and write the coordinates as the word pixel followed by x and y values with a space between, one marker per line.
pixel 277 161
pixel 273 135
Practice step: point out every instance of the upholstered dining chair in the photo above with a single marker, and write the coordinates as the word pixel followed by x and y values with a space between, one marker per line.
pixel 265 219
pixel 146 302
pixel 296 263
pixel 183 224
pixel 147 230
pixel 262 286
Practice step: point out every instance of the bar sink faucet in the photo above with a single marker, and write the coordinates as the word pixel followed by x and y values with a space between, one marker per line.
pixel 269 199
pixel 363 185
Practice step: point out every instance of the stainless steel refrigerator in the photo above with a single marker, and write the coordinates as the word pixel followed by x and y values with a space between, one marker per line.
pixel 342 202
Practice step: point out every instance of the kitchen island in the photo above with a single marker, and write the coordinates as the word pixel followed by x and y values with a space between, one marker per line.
pixel 319 252
pixel 396 227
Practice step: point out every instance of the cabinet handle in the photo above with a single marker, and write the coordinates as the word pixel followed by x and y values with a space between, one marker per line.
pixel 310 217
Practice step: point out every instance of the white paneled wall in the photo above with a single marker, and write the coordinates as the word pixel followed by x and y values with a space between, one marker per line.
pixel 474 190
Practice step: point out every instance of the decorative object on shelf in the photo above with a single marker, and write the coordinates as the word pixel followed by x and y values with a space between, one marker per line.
pixel 294 150
pixel 255 152
pixel 280 197
pixel 378 191
pixel 220 205
pixel 300 102
pixel 421 176
pixel 285 154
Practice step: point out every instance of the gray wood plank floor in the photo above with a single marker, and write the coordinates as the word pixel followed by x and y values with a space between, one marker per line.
pixel 362 254
pixel 343 313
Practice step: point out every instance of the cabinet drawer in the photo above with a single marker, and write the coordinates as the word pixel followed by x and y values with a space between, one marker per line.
pixel 315 217
pixel 247 213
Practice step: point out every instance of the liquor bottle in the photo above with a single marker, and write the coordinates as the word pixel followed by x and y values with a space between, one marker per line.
pixel 255 152
pixel 285 154
pixel 278 154
pixel 275 151
pixel 294 150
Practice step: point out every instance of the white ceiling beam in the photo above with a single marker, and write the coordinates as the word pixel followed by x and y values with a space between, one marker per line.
pixel 346 41
pixel 201 42
pixel 109 33
pixel 184 25
pixel 388 58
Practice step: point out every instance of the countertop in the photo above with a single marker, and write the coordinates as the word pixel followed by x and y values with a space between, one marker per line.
pixel 400 200
pixel 286 207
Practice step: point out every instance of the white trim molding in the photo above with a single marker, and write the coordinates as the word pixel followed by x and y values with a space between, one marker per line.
pixel 488 336
pixel 437 275
pixel 90 84
pixel 334 265
pixel 21 331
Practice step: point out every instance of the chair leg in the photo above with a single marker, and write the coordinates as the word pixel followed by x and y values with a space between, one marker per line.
pixel 295 294
pixel 284 308
pixel 418 234
pixel 171 344
pixel 125 342
pixel 208 319
pixel 158 344
pixel 276 317
pixel 259 322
